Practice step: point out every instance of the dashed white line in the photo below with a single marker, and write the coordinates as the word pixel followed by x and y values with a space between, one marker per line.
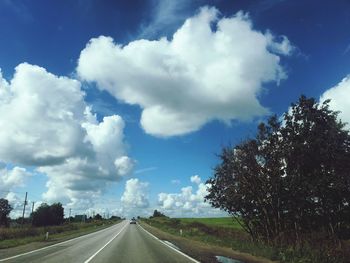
pixel 98 251
pixel 178 251
pixel 57 244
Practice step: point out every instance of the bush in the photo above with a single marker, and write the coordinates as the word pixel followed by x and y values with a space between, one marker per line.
pixel 48 215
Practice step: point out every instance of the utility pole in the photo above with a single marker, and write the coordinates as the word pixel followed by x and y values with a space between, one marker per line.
pixel 32 212
pixel 32 207
pixel 70 211
pixel 24 207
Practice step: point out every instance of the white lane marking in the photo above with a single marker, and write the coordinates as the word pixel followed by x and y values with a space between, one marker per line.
pixel 98 251
pixel 57 244
pixel 161 241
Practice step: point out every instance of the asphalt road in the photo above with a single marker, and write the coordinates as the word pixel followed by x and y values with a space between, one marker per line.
pixel 123 242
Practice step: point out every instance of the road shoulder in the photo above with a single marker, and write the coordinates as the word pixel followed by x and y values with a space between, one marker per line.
pixel 202 251
pixel 9 252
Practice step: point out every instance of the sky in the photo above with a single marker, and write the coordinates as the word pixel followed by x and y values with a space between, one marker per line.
pixel 121 107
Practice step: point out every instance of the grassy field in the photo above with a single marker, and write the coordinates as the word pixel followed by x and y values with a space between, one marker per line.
pixel 228 222
pixel 224 232
pixel 16 236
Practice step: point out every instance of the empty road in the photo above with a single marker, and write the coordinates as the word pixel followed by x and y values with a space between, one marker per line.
pixel 122 242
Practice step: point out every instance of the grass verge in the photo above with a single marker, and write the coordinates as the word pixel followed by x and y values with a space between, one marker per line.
pixel 13 237
pixel 214 232
pixel 198 249
pixel 226 222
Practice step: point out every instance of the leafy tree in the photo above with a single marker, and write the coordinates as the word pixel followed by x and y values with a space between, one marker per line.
pixel 157 213
pixel 46 215
pixel 5 210
pixel 317 156
pixel 57 214
pixel 293 178
pixel 98 217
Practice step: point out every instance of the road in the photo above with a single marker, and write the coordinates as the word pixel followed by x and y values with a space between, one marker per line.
pixel 122 242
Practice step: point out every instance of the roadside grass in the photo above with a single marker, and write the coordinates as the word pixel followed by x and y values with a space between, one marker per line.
pixel 16 236
pixel 201 251
pixel 210 233
pixel 228 222
pixel 215 232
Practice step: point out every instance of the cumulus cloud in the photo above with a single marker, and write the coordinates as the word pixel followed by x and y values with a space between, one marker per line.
pixel 196 179
pixel 45 123
pixel 16 201
pixel 340 97
pixel 135 194
pixel 38 117
pixel 12 178
pixel 198 75
pixel 124 165
pixel 188 202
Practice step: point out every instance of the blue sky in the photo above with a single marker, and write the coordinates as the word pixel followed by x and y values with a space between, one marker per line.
pixel 164 129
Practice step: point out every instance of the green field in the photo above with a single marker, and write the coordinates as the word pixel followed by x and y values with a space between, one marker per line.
pixel 228 222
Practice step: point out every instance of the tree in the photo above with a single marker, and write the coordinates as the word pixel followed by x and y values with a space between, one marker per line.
pixel 292 178
pixel 57 214
pixel 317 155
pixel 5 210
pixel 46 215
pixel 98 217
pixel 247 182
pixel 157 213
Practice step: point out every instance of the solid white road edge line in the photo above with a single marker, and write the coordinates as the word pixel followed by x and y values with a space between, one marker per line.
pixel 98 251
pixel 57 244
pixel 161 241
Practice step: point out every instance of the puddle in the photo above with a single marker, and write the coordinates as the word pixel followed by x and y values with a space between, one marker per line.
pixel 171 244
pixel 222 259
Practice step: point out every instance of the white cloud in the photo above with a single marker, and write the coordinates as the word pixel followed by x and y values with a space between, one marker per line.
pixel 135 194
pixel 124 165
pixel 340 97
pixel 199 75
pixel 12 178
pixel 16 203
pixel 17 200
pixel 45 123
pixel 196 179
pixel 189 202
pixel 38 117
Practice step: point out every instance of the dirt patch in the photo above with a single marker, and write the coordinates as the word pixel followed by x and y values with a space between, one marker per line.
pixel 202 251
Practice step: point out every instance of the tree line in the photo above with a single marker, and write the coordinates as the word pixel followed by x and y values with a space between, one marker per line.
pixel 292 179
pixel 44 215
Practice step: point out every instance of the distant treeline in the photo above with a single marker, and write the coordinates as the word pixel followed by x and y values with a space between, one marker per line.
pixel 44 215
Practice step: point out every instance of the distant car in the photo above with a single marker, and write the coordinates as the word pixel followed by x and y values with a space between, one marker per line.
pixel 133 221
